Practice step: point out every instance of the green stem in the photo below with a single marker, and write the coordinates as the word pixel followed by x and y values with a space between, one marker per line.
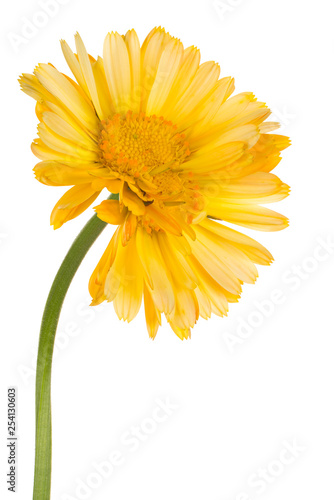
pixel 62 281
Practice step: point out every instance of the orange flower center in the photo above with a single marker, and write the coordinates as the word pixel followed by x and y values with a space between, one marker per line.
pixel 145 151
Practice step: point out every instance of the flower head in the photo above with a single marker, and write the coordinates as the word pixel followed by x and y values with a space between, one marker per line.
pixel 160 129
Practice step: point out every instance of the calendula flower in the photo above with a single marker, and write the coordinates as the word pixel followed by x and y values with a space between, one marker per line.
pixel 163 134
pixel 162 131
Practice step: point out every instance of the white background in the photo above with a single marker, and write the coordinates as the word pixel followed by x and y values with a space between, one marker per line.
pixel 238 402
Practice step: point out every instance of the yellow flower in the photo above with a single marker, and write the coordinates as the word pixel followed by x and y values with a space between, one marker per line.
pixel 160 129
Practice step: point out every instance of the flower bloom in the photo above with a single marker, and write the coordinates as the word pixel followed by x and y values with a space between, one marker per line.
pixel 160 129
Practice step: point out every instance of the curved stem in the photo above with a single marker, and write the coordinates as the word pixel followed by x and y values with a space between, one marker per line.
pixel 62 281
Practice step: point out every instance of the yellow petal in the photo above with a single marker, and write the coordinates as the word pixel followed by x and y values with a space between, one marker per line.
pixel 61 88
pixel 133 46
pixel 210 287
pixel 163 220
pixel 61 127
pixel 53 173
pixel 166 73
pixel 212 104
pixel 126 274
pixel 105 99
pixel 188 106
pixel 208 160
pixel 252 216
pixel 173 263
pixel 151 51
pixel 97 279
pixel 260 187
pixel 44 152
pixel 237 262
pixel 74 65
pixel 152 315
pixel 65 146
pixel 268 127
pixel 129 228
pixel 215 267
pixel 156 273
pixel 88 75
pixel 250 247
pixel 186 311
pixel 118 71
pixel 182 333
pixel 73 203
pixel 75 196
pixel 188 68
pixel 249 134
pixel 204 304
pixel 109 211
pixel 132 202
